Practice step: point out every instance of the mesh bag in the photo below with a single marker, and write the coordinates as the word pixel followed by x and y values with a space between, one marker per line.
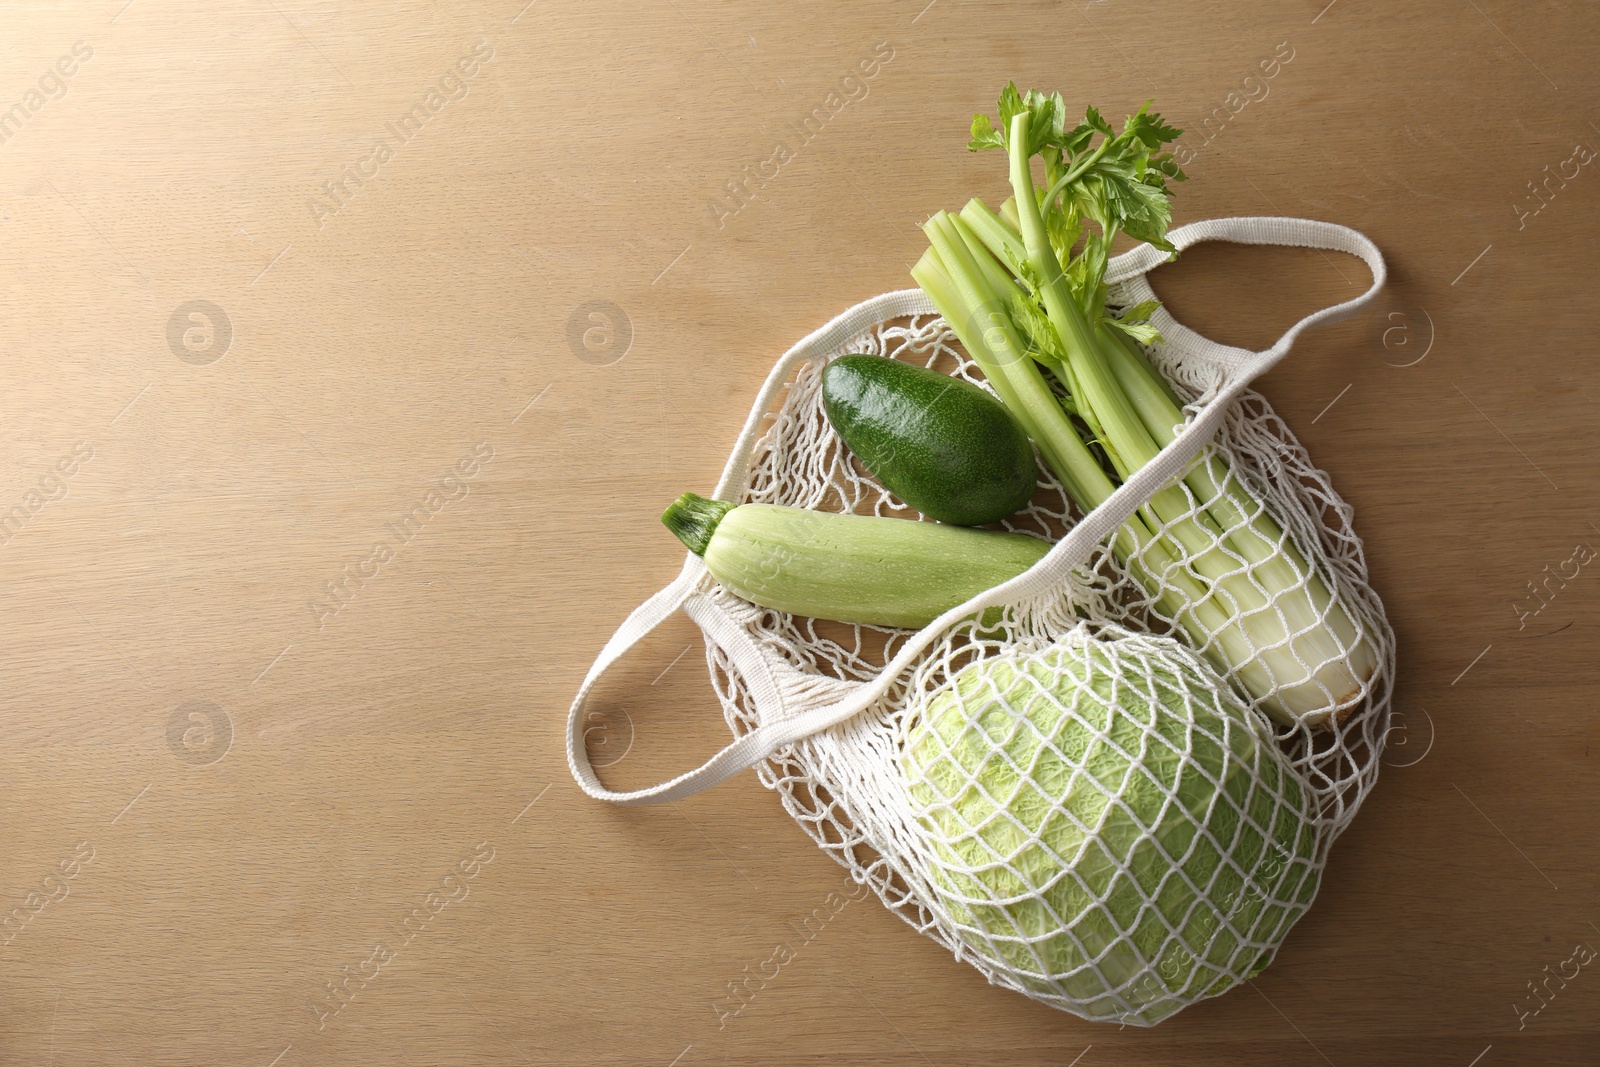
pixel 1116 792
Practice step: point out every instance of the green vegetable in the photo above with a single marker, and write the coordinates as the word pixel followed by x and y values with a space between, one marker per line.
pixel 849 568
pixel 939 443
pixel 1086 803
pixel 1025 291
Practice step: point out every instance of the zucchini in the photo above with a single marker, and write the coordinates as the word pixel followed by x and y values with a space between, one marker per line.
pixel 939 443
pixel 848 568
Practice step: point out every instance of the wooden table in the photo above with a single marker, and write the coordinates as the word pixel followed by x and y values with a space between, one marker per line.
pixel 350 353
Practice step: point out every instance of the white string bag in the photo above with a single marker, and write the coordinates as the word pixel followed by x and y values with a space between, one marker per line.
pixel 976 802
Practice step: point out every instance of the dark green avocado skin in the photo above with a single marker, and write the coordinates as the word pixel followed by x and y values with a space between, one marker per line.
pixel 939 443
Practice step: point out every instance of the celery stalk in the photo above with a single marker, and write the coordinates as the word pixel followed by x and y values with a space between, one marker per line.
pixel 951 276
pixel 1022 295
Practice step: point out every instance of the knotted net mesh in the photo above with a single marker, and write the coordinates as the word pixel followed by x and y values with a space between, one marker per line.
pixel 1118 796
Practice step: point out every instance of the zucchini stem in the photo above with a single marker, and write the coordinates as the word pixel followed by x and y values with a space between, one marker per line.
pixel 693 519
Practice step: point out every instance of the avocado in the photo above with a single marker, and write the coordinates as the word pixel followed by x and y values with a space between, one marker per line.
pixel 941 444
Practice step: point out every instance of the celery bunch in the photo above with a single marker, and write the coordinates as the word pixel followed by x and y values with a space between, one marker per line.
pixel 1024 289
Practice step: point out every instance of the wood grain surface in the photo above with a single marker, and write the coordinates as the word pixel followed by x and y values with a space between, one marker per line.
pixel 350 353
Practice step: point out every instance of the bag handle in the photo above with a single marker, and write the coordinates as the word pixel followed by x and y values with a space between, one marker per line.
pixel 745 655
pixel 1132 270
pixel 1240 366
